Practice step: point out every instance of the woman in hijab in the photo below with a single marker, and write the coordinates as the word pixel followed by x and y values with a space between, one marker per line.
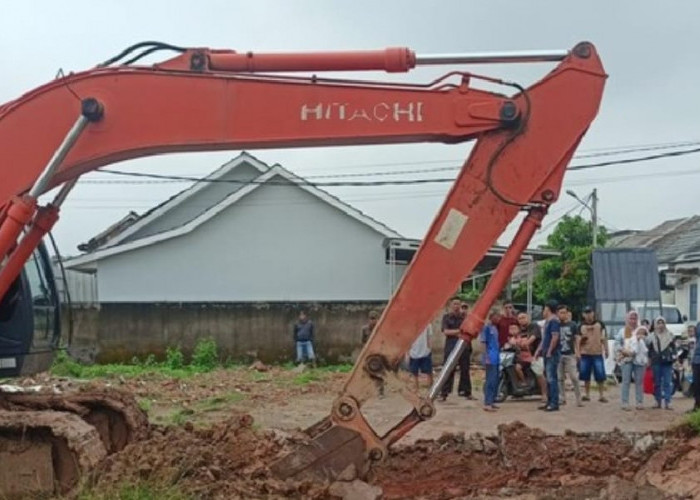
pixel 624 354
pixel 662 353
pixel 639 363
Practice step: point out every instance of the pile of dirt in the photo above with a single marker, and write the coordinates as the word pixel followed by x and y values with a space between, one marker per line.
pixel 227 460
pixel 231 460
pixel 519 460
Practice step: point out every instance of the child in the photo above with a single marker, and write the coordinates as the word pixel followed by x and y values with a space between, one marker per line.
pixel 522 346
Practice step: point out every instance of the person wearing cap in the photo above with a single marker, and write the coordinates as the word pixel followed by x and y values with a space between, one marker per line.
pixel 593 349
pixel 550 350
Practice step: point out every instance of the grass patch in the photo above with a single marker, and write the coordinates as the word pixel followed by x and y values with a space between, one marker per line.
pixel 204 359
pixel 693 421
pixel 340 368
pixel 145 404
pixel 179 417
pixel 307 377
pixel 63 366
pixel 205 356
pixel 219 402
pixel 139 491
pixel 260 376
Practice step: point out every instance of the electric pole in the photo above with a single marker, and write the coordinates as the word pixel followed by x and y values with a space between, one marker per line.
pixel 594 216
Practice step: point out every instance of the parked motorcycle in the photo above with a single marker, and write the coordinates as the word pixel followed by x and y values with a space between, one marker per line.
pixel 508 384
pixel 681 370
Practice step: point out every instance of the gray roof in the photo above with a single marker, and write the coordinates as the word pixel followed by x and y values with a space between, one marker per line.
pixel 625 274
pixel 672 240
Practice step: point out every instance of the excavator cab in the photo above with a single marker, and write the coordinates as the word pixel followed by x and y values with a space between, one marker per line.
pixel 30 319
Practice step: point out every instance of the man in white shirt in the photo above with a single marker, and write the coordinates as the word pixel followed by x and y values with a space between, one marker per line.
pixel 420 357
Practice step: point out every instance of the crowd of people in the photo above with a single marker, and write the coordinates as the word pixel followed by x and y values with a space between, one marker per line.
pixel 561 350
pixel 553 352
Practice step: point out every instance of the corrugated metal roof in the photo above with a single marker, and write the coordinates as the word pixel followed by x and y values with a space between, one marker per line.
pixel 685 238
pixel 625 274
pixel 671 239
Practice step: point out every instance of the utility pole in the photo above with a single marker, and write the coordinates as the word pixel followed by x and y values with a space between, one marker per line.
pixel 594 216
pixel 593 207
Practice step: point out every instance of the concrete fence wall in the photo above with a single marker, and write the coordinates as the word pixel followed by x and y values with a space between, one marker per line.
pixel 243 331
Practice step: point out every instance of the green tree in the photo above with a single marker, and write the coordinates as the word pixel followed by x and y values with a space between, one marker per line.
pixel 565 278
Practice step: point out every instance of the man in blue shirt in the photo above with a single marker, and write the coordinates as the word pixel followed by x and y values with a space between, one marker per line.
pixel 490 360
pixel 550 349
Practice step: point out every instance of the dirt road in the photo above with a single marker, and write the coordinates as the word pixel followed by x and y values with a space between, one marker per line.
pixel 459 415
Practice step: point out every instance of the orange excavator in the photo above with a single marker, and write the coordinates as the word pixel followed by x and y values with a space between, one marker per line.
pixel 205 99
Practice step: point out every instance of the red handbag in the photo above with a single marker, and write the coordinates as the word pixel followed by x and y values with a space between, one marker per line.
pixel 648 381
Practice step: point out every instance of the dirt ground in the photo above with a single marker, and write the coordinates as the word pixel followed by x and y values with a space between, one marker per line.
pixel 214 436
pixel 459 415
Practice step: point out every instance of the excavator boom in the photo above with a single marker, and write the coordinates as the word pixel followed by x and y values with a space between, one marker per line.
pixel 211 99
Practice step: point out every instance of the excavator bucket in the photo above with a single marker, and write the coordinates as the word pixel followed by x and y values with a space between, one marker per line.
pixel 326 456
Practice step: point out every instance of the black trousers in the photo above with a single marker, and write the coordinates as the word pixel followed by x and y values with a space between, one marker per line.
pixel 465 383
pixel 696 386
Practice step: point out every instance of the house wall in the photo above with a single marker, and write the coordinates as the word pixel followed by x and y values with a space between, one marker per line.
pixel 279 243
pixel 80 287
pixel 682 296
pixel 243 331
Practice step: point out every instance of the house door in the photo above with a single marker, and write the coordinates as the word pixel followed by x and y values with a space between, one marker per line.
pixel 693 302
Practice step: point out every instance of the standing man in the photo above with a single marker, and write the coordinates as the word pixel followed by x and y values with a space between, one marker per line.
pixel 367 329
pixel 550 349
pixel 304 339
pixel 593 345
pixel 506 318
pixel 533 334
pixel 569 355
pixel 490 360
pixel 420 357
pixel 451 323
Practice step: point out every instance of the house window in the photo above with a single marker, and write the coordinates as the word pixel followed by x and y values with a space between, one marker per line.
pixel 693 303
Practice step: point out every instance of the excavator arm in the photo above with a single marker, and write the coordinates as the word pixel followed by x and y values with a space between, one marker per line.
pixel 210 100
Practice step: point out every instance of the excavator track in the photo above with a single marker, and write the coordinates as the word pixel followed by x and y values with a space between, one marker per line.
pixel 49 441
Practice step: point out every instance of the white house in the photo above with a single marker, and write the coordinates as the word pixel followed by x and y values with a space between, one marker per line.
pixel 247 233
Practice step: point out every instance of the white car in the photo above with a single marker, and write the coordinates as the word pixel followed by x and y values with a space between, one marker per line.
pixel 675 321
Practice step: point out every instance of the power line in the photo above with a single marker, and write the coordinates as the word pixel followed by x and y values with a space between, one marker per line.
pixel 368 197
pixel 669 154
pixel 620 178
pixel 604 152
pixel 639 149
pixel 396 182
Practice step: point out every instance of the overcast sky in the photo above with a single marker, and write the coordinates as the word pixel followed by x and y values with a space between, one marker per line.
pixel 649 49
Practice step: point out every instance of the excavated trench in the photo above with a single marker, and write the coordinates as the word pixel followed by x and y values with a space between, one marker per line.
pixel 231 459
